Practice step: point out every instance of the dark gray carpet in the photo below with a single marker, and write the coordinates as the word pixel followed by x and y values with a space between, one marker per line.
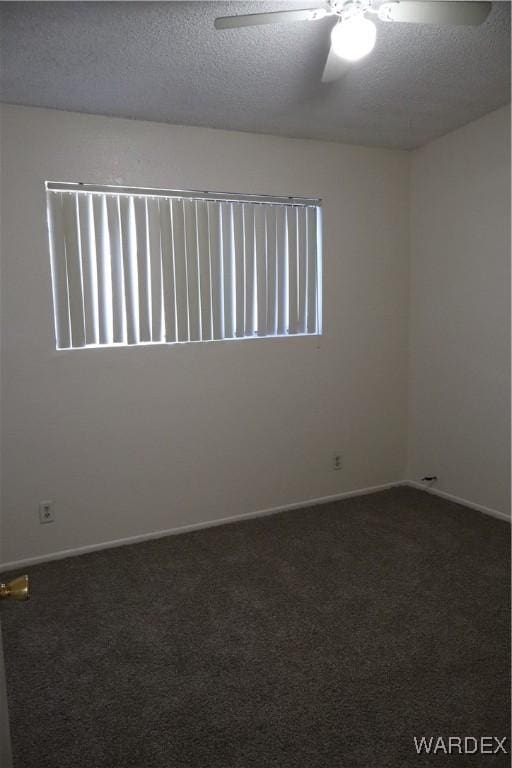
pixel 320 638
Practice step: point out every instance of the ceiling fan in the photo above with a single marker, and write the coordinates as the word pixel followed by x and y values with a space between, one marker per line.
pixel 354 35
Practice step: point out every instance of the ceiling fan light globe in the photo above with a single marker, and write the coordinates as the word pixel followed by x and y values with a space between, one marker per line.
pixel 354 38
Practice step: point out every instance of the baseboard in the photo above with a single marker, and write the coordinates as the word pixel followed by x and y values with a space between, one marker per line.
pixel 60 555
pixel 15 564
pixel 459 500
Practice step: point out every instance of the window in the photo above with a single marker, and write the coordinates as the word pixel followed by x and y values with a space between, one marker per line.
pixel 135 266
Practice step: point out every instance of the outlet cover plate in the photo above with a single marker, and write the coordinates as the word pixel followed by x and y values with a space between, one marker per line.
pixel 46 513
pixel 337 462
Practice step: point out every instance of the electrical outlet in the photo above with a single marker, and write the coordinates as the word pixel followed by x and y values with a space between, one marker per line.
pixel 46 513
pixel 336 461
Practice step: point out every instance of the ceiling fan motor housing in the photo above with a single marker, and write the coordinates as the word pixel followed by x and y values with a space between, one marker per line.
pixel 346 9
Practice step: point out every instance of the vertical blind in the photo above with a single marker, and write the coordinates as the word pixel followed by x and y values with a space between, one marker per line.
pixel 135 267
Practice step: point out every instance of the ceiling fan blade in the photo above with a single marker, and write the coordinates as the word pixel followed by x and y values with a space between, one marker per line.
pixel 335 68
pixel 274 17
pixel 457 12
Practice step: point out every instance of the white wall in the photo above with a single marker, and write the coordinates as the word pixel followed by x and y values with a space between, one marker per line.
pixel 127 441
pixel 459 417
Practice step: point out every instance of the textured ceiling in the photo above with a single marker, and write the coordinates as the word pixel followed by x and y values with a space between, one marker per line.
pixel 166 62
